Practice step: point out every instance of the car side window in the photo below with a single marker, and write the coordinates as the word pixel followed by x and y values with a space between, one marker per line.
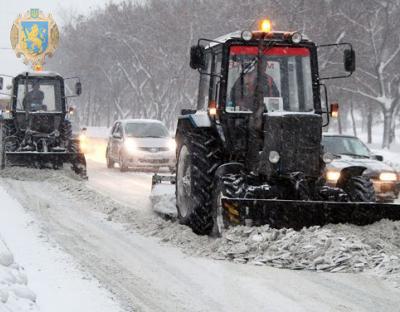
pixel 114 128
pixel 117 129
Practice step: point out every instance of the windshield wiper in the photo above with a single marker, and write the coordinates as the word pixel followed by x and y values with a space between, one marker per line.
pixel 355 155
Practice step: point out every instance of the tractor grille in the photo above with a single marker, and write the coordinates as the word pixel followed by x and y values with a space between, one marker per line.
pixel 297 139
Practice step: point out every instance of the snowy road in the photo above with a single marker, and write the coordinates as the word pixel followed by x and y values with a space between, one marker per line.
pixel 128 188
pixel 148 276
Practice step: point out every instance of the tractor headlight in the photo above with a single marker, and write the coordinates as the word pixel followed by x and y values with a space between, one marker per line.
pixel 247 35
pixel 274 157
pixel 328 158
pixel 332 176
pixel 297 37
pixel 388 176
pixel 130 145
pixel 172 145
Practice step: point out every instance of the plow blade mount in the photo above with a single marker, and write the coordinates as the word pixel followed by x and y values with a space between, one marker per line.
pixel 52 160
pixel 299 214
pixel 162 179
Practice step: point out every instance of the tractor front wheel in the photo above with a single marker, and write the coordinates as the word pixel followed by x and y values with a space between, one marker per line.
pixel 360 189
pixel 197 161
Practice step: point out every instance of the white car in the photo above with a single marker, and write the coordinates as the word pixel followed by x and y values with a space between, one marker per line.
pixel 140 144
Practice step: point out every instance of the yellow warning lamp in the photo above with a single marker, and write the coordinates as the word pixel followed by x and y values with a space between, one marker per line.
pixel 265 25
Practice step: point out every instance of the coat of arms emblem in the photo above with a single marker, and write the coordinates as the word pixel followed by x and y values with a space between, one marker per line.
pixel 34 36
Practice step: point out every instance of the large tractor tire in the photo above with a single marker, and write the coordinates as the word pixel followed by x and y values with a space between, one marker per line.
pixel 360 189
pixel 198 158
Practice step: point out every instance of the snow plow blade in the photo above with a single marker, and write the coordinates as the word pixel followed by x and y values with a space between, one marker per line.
pixel 299 214
pixel 162 179
pixel 53 160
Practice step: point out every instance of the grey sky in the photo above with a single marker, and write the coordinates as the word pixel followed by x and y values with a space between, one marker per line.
pixel 9 10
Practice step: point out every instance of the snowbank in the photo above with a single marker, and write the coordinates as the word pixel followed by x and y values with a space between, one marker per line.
pixel 57 279
pixel 333 248
pixel 15 295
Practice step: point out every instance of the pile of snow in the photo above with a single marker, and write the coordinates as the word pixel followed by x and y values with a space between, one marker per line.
pixel 374 249
pixel 14 292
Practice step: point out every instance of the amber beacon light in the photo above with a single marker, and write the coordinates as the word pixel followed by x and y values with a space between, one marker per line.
pixel 265 25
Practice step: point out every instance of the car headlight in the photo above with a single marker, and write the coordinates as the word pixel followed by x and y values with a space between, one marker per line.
pixel 388 176
pixel 172 145
pixel 332 175
pixel 328 158
pixel 274 157
pixel 130 145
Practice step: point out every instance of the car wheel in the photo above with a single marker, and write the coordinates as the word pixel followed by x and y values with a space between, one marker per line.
pixel 123 167
pixel 110 162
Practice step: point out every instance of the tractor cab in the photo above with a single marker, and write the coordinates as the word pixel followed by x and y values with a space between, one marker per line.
pixel 38 101
pixel 259 88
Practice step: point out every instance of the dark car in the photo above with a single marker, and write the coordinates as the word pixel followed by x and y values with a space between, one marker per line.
pixel 351 151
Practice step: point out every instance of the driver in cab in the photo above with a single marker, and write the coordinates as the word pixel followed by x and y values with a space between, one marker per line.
pixel 33 100
pixel 243 92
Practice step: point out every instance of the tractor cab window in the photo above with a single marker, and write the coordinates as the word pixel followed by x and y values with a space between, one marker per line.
pixel 285 80
pixel 39 95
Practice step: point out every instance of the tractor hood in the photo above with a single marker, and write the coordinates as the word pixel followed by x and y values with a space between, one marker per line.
pixel 374 167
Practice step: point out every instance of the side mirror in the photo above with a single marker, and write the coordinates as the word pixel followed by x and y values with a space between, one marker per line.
pixel 349 59
pixel 84 129
pixel 1 83
pixel 377 157
pixel 197 57
pixel 117 136
pixel 334 112
pixel 78 88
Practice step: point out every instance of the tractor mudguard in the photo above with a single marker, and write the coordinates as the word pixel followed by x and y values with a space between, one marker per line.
pixel 298 214
pixel 229 168
pixel 347 173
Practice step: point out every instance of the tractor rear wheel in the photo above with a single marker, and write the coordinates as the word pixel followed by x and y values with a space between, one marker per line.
pixel 197 161
pixel 360 189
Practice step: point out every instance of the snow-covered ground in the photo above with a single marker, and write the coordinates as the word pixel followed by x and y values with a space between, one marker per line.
pixel 15 295
pixel 51 273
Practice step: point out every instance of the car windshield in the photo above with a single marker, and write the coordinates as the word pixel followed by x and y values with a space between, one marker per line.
pixel 286 79
pixel 146 130
pixel 339 145
pixel 39 95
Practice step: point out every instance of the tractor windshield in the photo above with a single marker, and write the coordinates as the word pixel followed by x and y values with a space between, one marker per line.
pixel 286 80
pixel 39 95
